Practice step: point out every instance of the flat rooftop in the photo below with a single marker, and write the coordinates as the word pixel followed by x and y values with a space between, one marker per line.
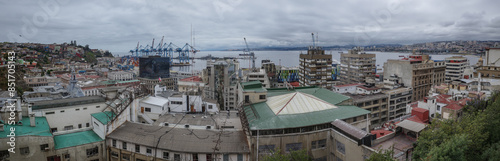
pixel 202 120
pixel 356 98
pixel 66 102
pixel 182 139
pixel 41 129
pixel 75 139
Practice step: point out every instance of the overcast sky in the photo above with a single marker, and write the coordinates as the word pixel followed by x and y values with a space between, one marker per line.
pixel 222 24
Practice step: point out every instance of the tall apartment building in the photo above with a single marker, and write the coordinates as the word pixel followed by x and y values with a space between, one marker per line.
pixel 397 100
pixel 315 68
pixel 455 67
pixel 221 82
pixel 356 66
pixel 418 72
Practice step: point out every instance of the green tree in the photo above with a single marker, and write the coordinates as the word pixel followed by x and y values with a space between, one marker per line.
pixel 475 136
pixel 382 155
pixel 298 155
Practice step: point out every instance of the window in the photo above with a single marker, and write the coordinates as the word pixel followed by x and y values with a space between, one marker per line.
pixel 44 147
pixel 25 150
pixel 210 107
pixel 439 108
pixel 293 147
pixel 62 111
pixel 138 149
pixel 149 151
pixel 77 109
pixel 354 119
pixel 87 124
pixel 114 154
pixel 225 157
pixel 84 108
pixel 240 157
pixel 340 147
pixel 92 151
pixel 262 97
pixel 266 148
pixel 313 144
pixel 177 157
pixel 113 143
pixel 165 155
pixel 126 157
pixel 147 109
pixel 49 113
pixel 70 127
pixel 97 106
pixel 53 130
pixel 209 157
pixel 79 126
pixel 124 145
pixel 322 143
pixel 195 157
pixel 66 156
pixel 247 99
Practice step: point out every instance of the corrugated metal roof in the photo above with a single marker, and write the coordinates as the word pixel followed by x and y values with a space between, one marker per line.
pixel 260 116
pixel 349 129
pixel 181 139
pixel 158 101
pixel 296 103
pixel 104 117
pixel 410 125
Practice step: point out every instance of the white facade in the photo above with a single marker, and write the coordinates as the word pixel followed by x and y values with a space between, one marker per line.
pixel 153 107
pixel 493 57
pixel 70 117
pixel 121 76
pixel 348 88
pixel 179 103
pixel 261 76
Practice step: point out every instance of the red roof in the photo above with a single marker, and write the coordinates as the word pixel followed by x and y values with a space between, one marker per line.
pixel 454 106
pixel 443 98
pixel 295 84
pixel 347 85
pixel 419 109
pixel 192 79
pixel 415 118
pixel 380 133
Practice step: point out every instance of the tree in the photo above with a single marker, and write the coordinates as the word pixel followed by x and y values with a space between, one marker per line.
pixel 475 136
pixel 298 155
pixel 385 155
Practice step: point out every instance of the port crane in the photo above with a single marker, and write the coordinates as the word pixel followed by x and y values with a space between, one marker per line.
pixel 248 53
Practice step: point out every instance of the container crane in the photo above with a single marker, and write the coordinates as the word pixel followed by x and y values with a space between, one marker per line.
pixel 248 53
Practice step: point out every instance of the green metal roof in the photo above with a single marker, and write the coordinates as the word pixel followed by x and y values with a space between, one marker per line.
pixel 129 81
pixel 75 139
pixel 41 129
pixel 104 117
pixel 255 86
pixel 261 117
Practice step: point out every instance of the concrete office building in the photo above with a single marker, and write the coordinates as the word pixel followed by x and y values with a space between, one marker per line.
pixel 455 67
pixel 397 100
pixel 357 67
pixel 417 72
pixel 301 118
pixel 315 68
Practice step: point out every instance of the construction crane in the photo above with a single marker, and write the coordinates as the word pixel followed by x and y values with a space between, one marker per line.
pixel 248 53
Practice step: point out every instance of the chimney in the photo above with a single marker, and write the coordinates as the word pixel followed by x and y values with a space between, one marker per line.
pixel 32 120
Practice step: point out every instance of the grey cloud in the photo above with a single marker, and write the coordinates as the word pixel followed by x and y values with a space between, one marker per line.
pixel 220 24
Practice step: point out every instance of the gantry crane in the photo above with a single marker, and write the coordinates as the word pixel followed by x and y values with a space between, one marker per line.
pixel 248 53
